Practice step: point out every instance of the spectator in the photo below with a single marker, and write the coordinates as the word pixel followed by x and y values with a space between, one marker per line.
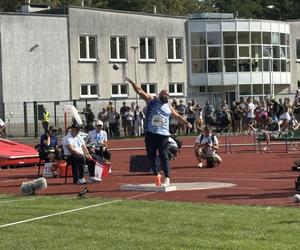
pixel 190 117
pixel 45 120
pixel 112 122
pixel 237 117
pixel 89 117
pixel 206 145
pixel 109 106
pixel 250 107
pixel 271 131
pixel 198 118
pixel 49 145
pixel 98 139
pixel 208 114
pixel 102 116
pixel 129 117
pixel 123 120
pixel 173 122
pixel 77 155
pixel 138 121
pixel 296 105
pixel 181 110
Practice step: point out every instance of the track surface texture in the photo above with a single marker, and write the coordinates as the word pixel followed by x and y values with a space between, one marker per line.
pixel 260 178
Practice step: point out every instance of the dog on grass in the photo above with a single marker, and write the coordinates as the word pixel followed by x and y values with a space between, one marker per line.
pixel 31 187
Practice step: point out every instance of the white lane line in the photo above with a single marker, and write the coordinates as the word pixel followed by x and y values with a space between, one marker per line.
pixel 56 214
pixel 10 201
pixel 71 211
pixel 139 195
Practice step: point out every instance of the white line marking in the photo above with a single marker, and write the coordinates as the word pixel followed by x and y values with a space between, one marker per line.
pixel 56 214
pixel 9 201
pixel 140 195
pixel 70 211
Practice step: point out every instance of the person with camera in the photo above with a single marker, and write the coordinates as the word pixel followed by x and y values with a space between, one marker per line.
pixel 206 146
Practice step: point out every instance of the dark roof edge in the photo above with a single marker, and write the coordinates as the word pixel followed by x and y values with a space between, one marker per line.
pixel 113 11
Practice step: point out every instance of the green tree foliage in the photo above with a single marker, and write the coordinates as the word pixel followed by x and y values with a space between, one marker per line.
pixel 287 9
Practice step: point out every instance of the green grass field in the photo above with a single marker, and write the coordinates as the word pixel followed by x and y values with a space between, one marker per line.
pixel 130 224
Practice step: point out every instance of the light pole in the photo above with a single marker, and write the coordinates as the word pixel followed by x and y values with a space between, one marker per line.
pixel 270 71
pixel 272 7
pixel 135 48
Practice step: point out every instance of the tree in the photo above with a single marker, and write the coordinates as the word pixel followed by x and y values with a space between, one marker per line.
pixel 288 9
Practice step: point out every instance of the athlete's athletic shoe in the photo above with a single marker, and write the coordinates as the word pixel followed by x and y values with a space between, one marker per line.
pixel 93 179
pixel 158 180
pixel 200 165
pixel 81 181
pixel 166 182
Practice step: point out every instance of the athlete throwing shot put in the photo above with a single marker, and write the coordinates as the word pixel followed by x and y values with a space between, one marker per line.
pixel 157 130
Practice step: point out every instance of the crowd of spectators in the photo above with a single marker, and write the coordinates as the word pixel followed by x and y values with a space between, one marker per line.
pixel 243 116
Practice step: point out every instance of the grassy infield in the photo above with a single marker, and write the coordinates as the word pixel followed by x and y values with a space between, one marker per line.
pixel 130 224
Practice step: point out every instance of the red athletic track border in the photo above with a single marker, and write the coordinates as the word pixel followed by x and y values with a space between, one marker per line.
pixel 261 179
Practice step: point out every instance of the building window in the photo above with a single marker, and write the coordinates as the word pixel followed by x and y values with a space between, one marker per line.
pixel 198 38
pixel 198 66
pixel 243 37
pixel 229 37
pixel 202 89
pixel 214 52
pixel 276 65
pixel 255 37
pixel 88 48
pixel 213 38
pixel 118 48
pixel 266 37
pixel 89 90
pixel 230 51
pixel 283 65
pixel 198 52
pixel 298 49
pixel 256 65
pixel 147 49
pixel 119 90
pixel 214 66
pixel 176 89
pixel 175 49
pixel 256 51
pixel 244 65
pixel 244 51
pixel 298 84
pixel 275 38
pixel 230 65
pixel 149 88
pixel 266 65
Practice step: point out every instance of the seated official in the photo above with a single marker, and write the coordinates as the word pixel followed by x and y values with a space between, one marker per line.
pixel 98 142
pixel 49 150
pixel 206 145
pixel 77 155
pixel 271 131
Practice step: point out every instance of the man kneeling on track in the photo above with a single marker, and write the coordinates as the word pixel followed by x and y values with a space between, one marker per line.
pixel 206 145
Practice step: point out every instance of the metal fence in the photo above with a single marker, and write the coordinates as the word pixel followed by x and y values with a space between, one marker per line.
pixel 29 124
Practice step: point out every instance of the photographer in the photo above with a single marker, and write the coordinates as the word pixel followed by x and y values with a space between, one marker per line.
pixel 206 145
